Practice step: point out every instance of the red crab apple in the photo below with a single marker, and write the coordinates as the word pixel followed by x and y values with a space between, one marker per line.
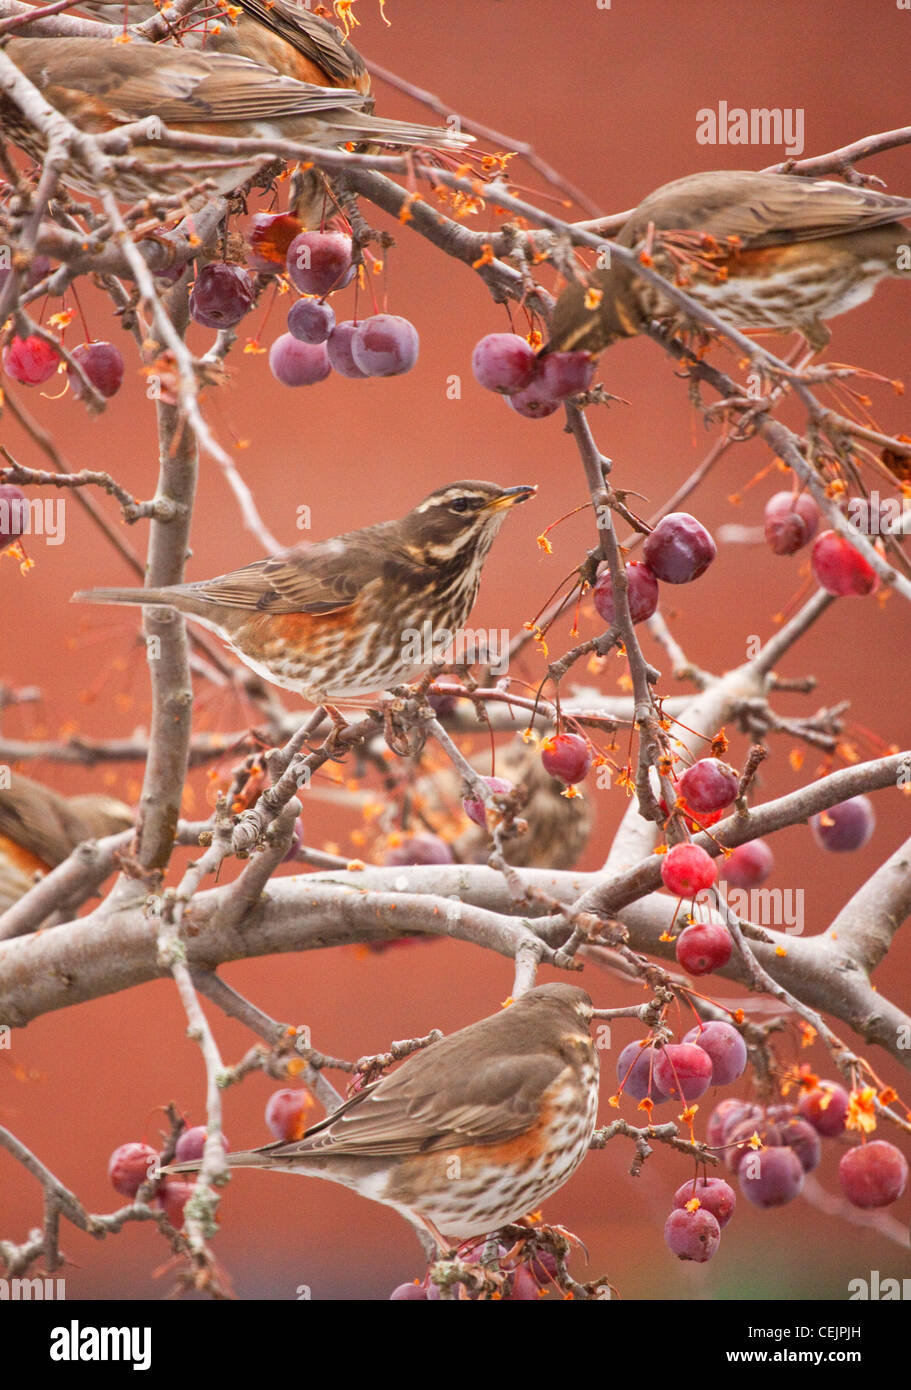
pixel 298 364
pixel 285 1111
pixel 475 808
pixel 749 865
pixel 704 947
pixel 385 345
pixel 679 549
pixel 845 827
pixel 873 1174
pixel 725 1047
pixel 692 1235
pixel 567 757
pixel 770 1177
pixel 29 361
pixel 129 1167
pixel 222 295
pixel 102 364
pixel 503 362
pixel 790 522
pixel 683 1071
pixel 840 569
pixel 713 1194
pixel 825 1108
pixel 686 870
pixel 641 593
pixel 709 785
pixel 320 261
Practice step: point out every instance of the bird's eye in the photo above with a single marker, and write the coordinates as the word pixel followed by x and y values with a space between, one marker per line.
pixel 460 504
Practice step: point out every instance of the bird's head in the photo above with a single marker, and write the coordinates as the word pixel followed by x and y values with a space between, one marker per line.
pixel 457 523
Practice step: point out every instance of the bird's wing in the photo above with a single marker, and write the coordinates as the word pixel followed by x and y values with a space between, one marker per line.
pixel 178 85
pixel 489 1100
pixel 33 817
pixel 314 37
pixel 763 209
pixel 321 578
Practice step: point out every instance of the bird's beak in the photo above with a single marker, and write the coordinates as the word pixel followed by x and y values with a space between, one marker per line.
pixel 510 496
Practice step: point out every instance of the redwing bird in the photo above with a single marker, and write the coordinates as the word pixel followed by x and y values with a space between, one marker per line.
pixel 39 828
pixel 470 1134
pixel 763 251
pixel 99 86
pixel 336 620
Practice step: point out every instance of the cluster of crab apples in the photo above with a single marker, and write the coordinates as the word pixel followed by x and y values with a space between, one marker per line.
pixel 791 521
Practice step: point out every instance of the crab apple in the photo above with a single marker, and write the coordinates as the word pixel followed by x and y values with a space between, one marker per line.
pixel 297 839
pixel 641 593
pixel 567 757
pixel 532 403
pixel 269 236
pixel 790 522
pixel 686 870
pixel 683 1072
pixel 739 1135
pixel 564 374
pixel 692 1235
pixel 285 1111
pixel 102 364
pixel 709 785
pixel 311 321
pixel 725 1116
pixel 523 1287
pixel 679 549
pixel 693 820
pixel 713 1194
pixel 320 261
pixel 129 1167
pixel 474 807
pixel 800 1136
pixel 442 702
pixel 385 345
pixel 749 865
pixel 503 362
pixel 874 1174
pixel 825 1108
pixel 172 1196
pixel 840 569
pixel 639 1063
pixel 222 295
pixel 771 1178
pixel 725 1047
pixel 38 268
pixel 29 361
pixel 419 849
pixel 704 947
pixel 408 1291
pixel 191 1143
pixel 13 512
pixel 339 349
pixel 847 826
pixel 298 364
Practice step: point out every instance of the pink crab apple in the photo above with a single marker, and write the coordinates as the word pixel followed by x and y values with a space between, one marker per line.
pixel 503 362
pixel 726 1115
pixel 683 1071
pixel 748 865
pixel 339 350
pixel 419 849
pixel 790 522
pixel 102 364
pixel 845 827
pixel 567 757
pixel 825 1108
pixel 692 1235
pixel 130 1166
pixel 172 1196
pixel 679 549
pixel 285 1111
pixel 564 374
pixel 385 345
pixel 222 295
pixel 703 947
pixel 709 785
pixel 771 1177
pixel 474 807
pixel 298 364
pixel 30 361
pixel 687 870
pixel 725 1047
pixel 311 321
pixel 713 1194
pixel 840 569
pixel 641 593
pixel 636 1072
pixel 318 262
pixel 191 1143
pixel 874 1174
pixel 532 403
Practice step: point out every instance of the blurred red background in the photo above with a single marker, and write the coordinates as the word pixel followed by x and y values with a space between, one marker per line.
pixel 609 97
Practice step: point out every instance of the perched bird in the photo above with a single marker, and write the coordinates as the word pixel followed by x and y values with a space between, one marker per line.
pixel 39 828
pixel 557 827
pixel 343 617
pixel 469 1134
pixel 763 251
pixel 100 86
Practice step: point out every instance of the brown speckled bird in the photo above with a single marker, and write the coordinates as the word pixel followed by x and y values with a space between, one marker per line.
pixel 39 828
pixel 763 251
pixel 101 85
pixel 342 618
pixel 470 1134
